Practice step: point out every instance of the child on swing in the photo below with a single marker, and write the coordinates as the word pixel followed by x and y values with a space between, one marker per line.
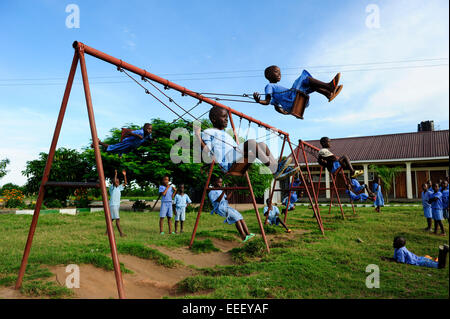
pixel 332 162
pixel 226 152
pixel 294 195
pixel 272 214
pixel 181 201
pixel 131 141
pixel 114 201
pixel 220 205
pixel 282 98
pixel 167 193
pixel 359 196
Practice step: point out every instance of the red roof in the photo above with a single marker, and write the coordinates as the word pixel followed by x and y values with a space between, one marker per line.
pixel 428 144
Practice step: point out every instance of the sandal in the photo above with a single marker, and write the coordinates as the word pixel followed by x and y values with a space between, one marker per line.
pixel 335 93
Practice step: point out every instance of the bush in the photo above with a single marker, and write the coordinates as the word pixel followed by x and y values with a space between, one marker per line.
pixel 14 198
pixel 54 203
pixel 139 206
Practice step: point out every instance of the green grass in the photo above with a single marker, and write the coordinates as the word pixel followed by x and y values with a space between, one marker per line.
pixel 299 266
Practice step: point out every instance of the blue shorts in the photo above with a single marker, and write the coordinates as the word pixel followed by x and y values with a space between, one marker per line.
pixel 114 209
pixel 180 213
pixel 438 214
pixel 425 262
pixel 166 210
pixel 336 166
pixel 427 212
pixel 446 213
pixel 363 197
pixel 302 83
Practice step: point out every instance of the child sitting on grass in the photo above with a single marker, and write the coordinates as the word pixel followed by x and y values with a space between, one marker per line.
pixel 167 193
pixel 427 213
pixel 272 214
pixel 114 201
pixel 403 255
pixel 332 162
pixel 181 201
pixel 282 98
pixel 437 209
pixel 131 141
pixel 226 152
pixel 220 205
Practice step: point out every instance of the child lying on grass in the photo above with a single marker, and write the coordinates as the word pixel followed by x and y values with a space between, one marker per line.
pixel 403 255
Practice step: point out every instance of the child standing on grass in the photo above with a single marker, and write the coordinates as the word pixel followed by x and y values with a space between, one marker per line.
pixel 220 205
pixel 272 214
pixel 181 201
pixel 167 193
pixel 426 193
pixel 332 162
pixel 437 209
pixel 283 98
pixel 114 201
pixel 445 198
pixel 403 255
pixel 379 201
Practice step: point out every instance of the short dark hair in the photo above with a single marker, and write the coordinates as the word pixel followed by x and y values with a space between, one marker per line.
pixel 147 124
pixel 324 140
pixel 269 71
pixel 399 242
pixel 215 112
pixel 165 177
pixel 216 179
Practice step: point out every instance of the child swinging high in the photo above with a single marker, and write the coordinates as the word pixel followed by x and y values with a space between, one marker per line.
pixel 283 99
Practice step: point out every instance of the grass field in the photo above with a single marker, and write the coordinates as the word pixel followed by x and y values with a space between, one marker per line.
pixel 306 265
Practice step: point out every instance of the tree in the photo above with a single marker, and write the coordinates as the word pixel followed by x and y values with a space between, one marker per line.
pixel 3 164
pixel 387 175
pixel 68 166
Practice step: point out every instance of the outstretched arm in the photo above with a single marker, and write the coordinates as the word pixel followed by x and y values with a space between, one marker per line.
pixel 257 98
pixel 124 177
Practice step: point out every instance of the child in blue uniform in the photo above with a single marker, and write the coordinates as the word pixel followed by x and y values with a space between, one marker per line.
pixel 132 140
pixel 403 255
pixel 272 214
pixel 114 200
pixel 181 201
pixel 294 195
pixel 379 201
pixel 220 205
pixel 361 197
pixel 332 162
pixel 167 193
pixel 283 98
pixel 445 195
pixel 223 148
pixel 426 193
pixel 437 209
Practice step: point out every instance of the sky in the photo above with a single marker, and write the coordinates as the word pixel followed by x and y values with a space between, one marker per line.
pixel 393 57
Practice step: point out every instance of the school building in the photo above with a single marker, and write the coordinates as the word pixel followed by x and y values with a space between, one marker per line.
pixel 420 156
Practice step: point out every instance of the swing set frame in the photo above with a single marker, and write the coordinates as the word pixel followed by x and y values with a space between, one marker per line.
pixel 79 57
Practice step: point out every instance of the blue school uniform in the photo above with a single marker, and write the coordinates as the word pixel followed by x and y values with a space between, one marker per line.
pixel 129 143
pixel 166 202
pixel 181 201
pixel 426 205
pixel 445 195
pixel 357 187
pixel 403 255
pixel 357 197
pixel 114 200
pixel 281 96
pixel 272 218
pixel 436 206
pixel 379 201
pixel 223 147
pixel 223 209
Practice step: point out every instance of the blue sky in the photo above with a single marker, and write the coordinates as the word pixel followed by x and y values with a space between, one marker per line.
pixel 177 39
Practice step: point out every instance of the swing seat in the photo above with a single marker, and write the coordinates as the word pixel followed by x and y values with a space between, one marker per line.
pixel 299 105
pixel 239 169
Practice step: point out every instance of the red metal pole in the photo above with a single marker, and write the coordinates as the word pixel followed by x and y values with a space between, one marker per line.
pixel 337 195
pixel 101 176
pixel 48 166
pixel 143 73
pixel 331 200
pixel 275 181
pixel 306 188
pixel 208 179
pixel 261 227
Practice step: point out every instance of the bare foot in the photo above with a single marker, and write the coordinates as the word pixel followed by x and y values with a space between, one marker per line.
pixel 123 235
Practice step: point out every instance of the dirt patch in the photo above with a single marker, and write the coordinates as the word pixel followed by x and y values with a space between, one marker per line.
pixel 11 293
pixel 149 280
